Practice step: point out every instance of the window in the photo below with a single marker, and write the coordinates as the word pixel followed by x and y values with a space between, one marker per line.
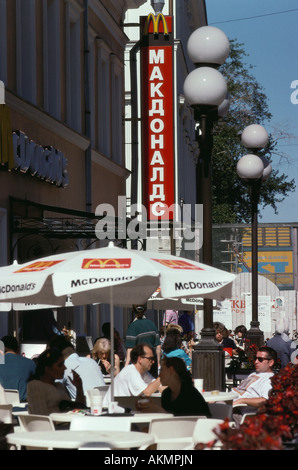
pixel 3 43
pixel 26 49
pixel 51 55
pixel 73 65
pixel 117 108
pixel 103 93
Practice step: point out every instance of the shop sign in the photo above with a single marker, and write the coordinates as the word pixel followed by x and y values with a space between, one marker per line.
pixel 45 163
pixel 157 116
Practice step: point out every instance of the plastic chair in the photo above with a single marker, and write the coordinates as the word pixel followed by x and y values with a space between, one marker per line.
pixel 12 396
pixel 6 414
pixel 100 423
pixel 95 446
pixel 203 431
pixel 35 423
pixel 221 410
pixel 173 433
pixel 102 388
pixel 246 415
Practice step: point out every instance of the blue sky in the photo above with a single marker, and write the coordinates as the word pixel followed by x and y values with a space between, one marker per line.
pixel 269 31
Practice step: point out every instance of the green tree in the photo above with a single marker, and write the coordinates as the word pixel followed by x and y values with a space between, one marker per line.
pixel 231 199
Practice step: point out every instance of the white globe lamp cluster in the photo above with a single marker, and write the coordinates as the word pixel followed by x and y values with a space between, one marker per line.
pixel 208 47
pixel 251 166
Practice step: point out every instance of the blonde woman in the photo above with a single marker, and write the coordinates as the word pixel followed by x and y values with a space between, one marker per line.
pixel 101 353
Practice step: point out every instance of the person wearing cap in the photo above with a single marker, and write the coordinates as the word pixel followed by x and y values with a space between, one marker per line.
pixel 143 330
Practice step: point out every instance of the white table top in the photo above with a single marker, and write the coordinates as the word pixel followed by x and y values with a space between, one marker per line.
pixel 221 396
pixel 135 418
pixel 75 439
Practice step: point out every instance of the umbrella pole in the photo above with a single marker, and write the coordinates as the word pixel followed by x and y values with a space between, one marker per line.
pixel 112 343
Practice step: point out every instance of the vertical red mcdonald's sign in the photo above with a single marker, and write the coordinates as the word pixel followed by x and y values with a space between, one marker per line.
pixel 157 116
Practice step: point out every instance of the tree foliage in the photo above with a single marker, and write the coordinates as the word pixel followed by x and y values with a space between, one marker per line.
pixel 231 196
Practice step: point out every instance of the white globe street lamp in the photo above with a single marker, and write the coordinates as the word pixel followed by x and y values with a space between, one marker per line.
pixel 205 90
pixel 208 45
pixel 254 136
pixel 254 170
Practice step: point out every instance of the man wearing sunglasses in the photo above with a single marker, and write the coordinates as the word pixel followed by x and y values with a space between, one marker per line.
pixel 254 390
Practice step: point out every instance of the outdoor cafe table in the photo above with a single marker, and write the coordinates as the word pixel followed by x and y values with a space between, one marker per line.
pixel 133 418
pixel 220 396
pixel 75 439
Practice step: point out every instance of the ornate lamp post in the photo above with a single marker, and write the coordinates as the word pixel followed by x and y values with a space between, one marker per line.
pixel 205 90
pixel 254 170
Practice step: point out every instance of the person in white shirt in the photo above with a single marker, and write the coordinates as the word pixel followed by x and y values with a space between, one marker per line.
pixel 135 379
pixel 85 367
pixel 254 390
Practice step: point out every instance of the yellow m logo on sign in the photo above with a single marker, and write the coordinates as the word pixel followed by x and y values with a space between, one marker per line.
pixel 156 20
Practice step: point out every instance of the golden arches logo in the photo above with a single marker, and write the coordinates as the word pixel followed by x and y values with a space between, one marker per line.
pixel 155 21
pixel 106 263
pixel 177 264
pixel 38 266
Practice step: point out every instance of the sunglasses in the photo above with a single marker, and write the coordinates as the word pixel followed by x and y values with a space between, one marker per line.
pixel 261 359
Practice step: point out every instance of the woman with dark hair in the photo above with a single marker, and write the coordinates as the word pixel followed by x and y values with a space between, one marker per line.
pixel 44 394
pixel 180 397
pixel 172 347
pixel 240 335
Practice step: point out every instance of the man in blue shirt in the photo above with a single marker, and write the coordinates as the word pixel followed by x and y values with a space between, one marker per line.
pixel 186 323
pixel 16 371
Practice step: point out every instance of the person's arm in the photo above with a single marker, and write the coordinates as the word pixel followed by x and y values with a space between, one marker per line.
pixel 257 402
pixel 158 354
pixel 77 382
pixel 148 406
pixel 152 387
pixel 127 361
pixel 117 364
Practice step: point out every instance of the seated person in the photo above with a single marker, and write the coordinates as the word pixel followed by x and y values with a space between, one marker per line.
pixel 240 334
pixel 135 379
pixel 172 347
pixel 101 353
pixel 17 370
pixel 180 397
pixel 254 390
pixel 118 343
pixel 222 337
pixel 44 394
pixel 85 367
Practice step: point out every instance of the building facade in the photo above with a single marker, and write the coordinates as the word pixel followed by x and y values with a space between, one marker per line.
pixel 62 73
pixel 66 72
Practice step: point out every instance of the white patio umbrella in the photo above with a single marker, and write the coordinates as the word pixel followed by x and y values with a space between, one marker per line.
pixel 157 302
pixel 110 275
